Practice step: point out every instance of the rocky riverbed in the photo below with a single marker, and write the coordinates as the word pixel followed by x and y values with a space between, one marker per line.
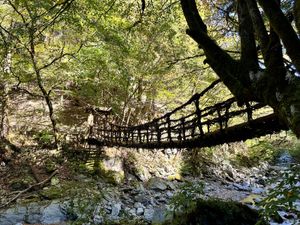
pixel 86 200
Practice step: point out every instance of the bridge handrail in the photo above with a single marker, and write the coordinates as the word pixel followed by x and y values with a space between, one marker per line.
pixel 189 124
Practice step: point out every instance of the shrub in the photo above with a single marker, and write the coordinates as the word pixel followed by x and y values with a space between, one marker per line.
pixel 185 198
pixel 284 195
pixel 44 138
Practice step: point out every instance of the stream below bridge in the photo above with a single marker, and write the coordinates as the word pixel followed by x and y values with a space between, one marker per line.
pixel 150 202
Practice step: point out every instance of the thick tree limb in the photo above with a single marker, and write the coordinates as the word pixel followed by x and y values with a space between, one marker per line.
pixel 283 28
pixel 274 60
pixel 259 26
pixel 220 61
pixel 249 58
pixel 274 56
pixel 192 16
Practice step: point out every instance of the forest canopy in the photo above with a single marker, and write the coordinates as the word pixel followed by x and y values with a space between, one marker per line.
pixel 139 59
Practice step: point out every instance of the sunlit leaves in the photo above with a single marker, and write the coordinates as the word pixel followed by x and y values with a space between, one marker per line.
pixel 120 56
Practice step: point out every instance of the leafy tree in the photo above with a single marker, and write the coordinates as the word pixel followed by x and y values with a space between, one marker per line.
pixel 133 59
pixel 25 28
pixel 262 72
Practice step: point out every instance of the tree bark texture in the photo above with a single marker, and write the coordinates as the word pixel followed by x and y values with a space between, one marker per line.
pixel 272 84
pixel 4 123
pixel 297 14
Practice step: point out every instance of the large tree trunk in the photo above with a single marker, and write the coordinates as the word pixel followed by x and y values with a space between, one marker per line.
pixel 274 85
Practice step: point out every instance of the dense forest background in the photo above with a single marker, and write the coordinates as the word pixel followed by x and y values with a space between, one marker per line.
pixel 136 60
pixel 133 57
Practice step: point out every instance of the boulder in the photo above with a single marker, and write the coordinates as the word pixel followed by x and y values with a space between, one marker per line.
pixel 53 214
pixel 148 214
pixel 115 210
pixel 157 184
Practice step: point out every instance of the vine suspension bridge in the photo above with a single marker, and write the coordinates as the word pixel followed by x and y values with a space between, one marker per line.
pixel 189 126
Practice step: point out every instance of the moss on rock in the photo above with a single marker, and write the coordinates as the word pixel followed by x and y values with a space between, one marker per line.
pixel 22 183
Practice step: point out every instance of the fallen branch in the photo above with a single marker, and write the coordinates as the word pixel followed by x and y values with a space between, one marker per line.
pixel 41 184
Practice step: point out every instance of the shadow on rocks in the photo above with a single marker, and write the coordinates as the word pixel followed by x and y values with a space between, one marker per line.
pixel 217 212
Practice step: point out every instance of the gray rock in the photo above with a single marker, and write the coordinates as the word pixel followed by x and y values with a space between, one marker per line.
pixel 157 195
pixel 34 213
pixel 113 164
pixel 141 188
pixel 108 196
pixel 143 174
pixel 138 205
pixel 169 194
pixel 230 172
pixel 157 184
pixel 13 215
pixel 241 187
pixel 107 210
pixel 132 212
pixel 139 211
pixel 108 207
pixel 162 200
pixel 127 200
pixel 98 219
pixel 171 185
pixel 159 216
pixel 257 190
pixel 115 210
pixel 285 159
pixel 130 177
pixel 53 214
pixel 255 170
pixel 148 214
pixel 144 199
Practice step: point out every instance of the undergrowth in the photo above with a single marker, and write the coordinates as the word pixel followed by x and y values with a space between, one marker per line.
pixel 283 196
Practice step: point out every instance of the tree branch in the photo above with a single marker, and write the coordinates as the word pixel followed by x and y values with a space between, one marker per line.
pixel 220 61
pixel 62 55
pixel 171 63
pixel 65 7
pixel 249 58
pixel 41 184
pixel 18 12
pixel 259 26
pixel 283 28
